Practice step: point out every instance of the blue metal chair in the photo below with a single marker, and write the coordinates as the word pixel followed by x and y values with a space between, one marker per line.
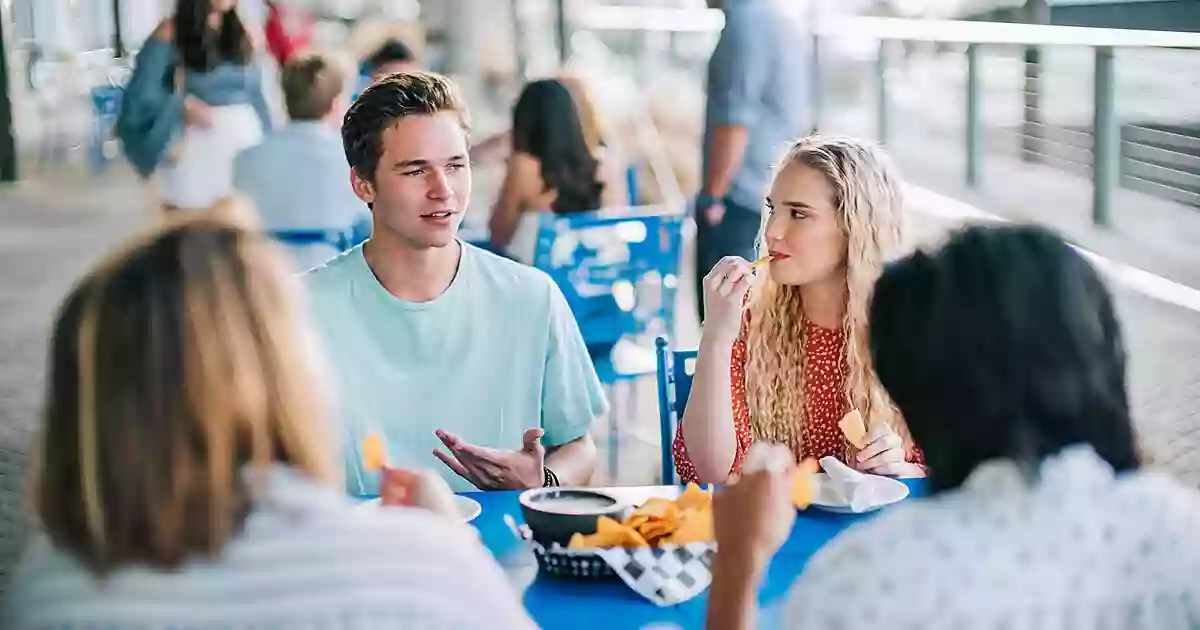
pixel 675 370
pixel 618 269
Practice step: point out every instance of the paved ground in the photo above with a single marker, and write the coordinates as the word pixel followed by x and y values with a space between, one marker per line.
pixel 43 248
pixel 45 245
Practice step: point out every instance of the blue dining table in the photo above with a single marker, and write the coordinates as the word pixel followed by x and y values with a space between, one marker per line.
pixel 560 603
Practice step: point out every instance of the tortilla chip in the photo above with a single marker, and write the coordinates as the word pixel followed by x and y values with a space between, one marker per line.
pixel 693 497
pixel 373 452
pixel 803 484
pixel 686 520
pixel 606 526
pixel 609 533
pixel 854 429
pixel 636 521
pixel 657 508
pixel 658 529
pixel 634 539
pixel 695 526
pixel 810 466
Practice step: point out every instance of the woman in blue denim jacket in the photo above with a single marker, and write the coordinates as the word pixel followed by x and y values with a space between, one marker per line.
pixel 195 100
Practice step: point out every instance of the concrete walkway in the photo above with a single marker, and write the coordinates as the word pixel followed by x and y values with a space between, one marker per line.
pixel 51 233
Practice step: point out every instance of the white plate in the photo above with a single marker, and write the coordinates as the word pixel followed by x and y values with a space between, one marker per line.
pixel 886 490
pixel 469 508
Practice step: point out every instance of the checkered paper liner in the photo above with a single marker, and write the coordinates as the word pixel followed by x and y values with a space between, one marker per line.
pixel 666 575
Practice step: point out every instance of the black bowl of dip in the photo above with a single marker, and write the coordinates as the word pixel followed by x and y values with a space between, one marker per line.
pixel 556 514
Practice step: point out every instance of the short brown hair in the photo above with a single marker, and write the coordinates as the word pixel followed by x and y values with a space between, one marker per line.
pixel 312 84
pixel 386 102
pixel 176 367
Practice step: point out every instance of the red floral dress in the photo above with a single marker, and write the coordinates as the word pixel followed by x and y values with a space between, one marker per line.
pixel 825 373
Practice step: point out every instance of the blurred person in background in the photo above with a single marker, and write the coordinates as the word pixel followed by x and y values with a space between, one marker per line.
pixel 783 354
pixel 589 116
pixel 297 176
pixel 552 168
pixel 184 475
pixel 288 31
pixel 195 100
pixel 756 100
pixel 438 344
pixel 499 146
pixel 391 56
pixel 1003 351
pixel 236 208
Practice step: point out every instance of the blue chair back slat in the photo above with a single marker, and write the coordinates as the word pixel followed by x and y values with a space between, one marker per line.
pixel 674 376
pixel 631 184
pixel 106 101
pixel 364 82
pixel 106 108
pixel 334 238
pixel 341 239
pixel 617 268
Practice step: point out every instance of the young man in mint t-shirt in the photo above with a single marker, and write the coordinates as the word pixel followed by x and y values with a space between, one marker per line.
pixel 450 352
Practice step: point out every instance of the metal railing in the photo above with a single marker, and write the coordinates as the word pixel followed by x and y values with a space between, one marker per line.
pixel 1117 129
pixel 1150 158
pixel 649 144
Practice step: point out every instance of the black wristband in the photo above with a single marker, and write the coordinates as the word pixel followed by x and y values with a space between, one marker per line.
pixel 551 479
pixel 704 201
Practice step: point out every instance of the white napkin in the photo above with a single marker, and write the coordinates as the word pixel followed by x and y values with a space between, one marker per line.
pixel 861 491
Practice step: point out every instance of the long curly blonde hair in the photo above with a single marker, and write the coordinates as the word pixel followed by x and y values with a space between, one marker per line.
pixel 869 201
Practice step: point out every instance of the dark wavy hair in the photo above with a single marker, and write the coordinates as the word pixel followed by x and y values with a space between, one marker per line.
pixel 390 51
pixel 546 125
pixel 388 101
pixel 1003 343
pixel 202 48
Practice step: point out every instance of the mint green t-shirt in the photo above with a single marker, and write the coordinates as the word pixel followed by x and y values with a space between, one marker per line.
pixel 497 353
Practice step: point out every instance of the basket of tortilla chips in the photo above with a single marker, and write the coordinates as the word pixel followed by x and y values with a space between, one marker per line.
pixel 663 549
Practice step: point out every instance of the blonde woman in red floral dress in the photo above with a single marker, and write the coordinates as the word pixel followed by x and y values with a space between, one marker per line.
pixel 783 356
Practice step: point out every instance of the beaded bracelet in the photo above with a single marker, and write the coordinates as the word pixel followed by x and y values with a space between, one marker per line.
pixel 551 480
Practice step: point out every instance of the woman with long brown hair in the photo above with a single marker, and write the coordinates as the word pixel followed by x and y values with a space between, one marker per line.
pixel 554 167
pixel 784 357
pixel 184 475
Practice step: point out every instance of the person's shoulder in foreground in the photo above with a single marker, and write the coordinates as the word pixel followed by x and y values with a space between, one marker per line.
pixel 1083 544
pixel 307 558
